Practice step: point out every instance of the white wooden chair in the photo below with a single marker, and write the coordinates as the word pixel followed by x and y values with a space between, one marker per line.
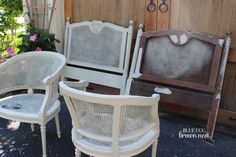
pixel 111 126
pixel 98 52
pixel 32 70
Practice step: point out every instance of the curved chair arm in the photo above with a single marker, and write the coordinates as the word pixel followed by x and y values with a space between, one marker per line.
pixel 33 70
pixel 113 100
pixel 51 87
pixel 81 85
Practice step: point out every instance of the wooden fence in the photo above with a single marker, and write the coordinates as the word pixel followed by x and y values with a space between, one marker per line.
pixel 214 17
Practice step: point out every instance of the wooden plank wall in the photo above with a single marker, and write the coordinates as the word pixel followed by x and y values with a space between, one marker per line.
pixel 115 11
pixel 156 20
pixel 118 11
pixel 214 17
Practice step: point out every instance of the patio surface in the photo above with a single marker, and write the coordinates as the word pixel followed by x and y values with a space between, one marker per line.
pixel 22 142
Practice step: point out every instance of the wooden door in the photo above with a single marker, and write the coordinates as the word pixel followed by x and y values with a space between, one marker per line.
pixel 119 12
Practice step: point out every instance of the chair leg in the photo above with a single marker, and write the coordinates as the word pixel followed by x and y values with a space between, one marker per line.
pixel 58 126
pixel 32 127
pixel 154 148
pixel 43 138
pixel 77 153
pixel 212 117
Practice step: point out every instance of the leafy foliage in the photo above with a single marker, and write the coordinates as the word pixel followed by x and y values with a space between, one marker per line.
pixel 9 11
pixel 13 42
pixel 37 39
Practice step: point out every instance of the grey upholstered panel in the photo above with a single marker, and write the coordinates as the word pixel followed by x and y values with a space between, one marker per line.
pixel 191 62
pixel 101 48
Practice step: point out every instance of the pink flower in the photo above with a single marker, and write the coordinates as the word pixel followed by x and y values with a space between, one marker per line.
pixel 10 51
pixel 38 49
pixel 33 37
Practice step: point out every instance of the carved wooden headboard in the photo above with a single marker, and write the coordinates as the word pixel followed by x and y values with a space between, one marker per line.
pixel 185 68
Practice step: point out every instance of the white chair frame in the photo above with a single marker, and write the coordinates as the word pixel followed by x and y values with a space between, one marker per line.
pixel 136 61
pixel 116 101
pixel 114 77
pixel 50 85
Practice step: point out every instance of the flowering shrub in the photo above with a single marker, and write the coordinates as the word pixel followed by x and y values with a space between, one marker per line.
pixel 37 40
pixel 10 51
pixel 10 27
pixel 33 40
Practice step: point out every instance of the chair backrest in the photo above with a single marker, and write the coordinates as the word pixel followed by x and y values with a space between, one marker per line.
pixel 28 70
pixel 180 58
pixel 111 120
pixel 98 49
pixel 87 43
pixel 185 68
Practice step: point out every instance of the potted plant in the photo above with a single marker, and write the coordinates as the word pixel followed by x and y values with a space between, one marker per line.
pixel 37 40
pixel 36 36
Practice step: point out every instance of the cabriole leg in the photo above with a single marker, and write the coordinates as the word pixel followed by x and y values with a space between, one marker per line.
pixel 212 117
pixel 77 153
pixel 43 138
pixel 58 126
pixel 32 127
pixel 154 148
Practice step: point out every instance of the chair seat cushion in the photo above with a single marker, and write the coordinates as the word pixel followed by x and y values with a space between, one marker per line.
pixel 25 107
pixel 132 147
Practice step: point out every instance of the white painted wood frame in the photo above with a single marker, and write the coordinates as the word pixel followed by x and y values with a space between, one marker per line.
pixel 139 139
pixel 107 75
pixel 30 71
pixel 136 61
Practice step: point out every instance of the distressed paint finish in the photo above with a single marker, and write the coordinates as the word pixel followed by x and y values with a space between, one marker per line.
pixel 173 61
pixel 173 51
pixel 202 73
pixel 103 42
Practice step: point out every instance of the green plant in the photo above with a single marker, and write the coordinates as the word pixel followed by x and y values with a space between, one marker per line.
pixel 11 43
pixel 37 40
pixel 8 43
pixel 9 11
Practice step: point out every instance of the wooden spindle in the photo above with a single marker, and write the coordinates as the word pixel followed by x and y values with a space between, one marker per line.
pixel 36 14
pixel 27 5
pixel 50 20
pixel 44 8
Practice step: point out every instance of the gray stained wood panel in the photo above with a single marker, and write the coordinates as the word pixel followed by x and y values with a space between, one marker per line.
pixel 190 62
pixel 102 48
